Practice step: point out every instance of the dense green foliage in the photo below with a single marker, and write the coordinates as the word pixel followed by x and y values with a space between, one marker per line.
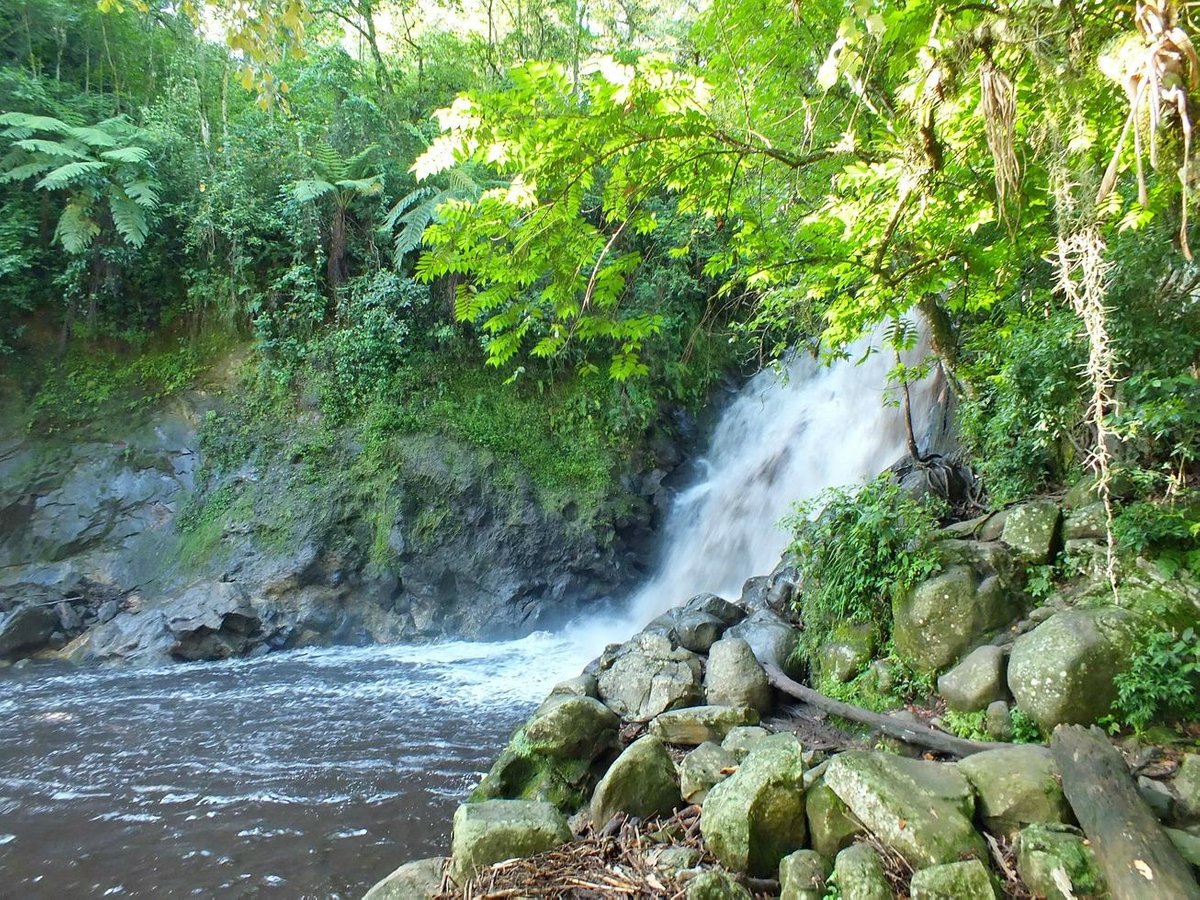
pixel 1162 683
pixel 858 550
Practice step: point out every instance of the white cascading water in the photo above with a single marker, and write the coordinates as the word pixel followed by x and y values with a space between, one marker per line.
pixel 785 437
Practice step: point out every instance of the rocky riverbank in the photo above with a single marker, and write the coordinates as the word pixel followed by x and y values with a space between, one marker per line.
pixel 679 764
pixel 120 546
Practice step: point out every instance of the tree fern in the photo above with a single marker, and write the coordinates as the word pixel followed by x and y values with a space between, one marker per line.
pixel 49 148
pixel 131 154
pixel 128 217
pixel 76 228
pixel 65 176
pixel 306 190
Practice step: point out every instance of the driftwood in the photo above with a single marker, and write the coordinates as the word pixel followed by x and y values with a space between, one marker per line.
pixel 909 732
pixel 1134 853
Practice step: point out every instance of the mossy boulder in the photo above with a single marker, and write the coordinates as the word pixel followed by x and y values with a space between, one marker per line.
pixel 754 818
pixel 574 727
pixel 1034 531
pixel 734 676
pixel 496 830
pixel 976 681
pixel 831 825
pixel 641 782
pixel 943 617
pixel 694 725
pixel 803 875
pixel 744 738
pixel 859 874
pixel 847 652
pixel 1051 857
pixel 925 810
pixel 707 765
pixel 1063 670
pixel 1016 786
pixel 716 885
pixel 417 880
pixel 1186 784
pixel 967 880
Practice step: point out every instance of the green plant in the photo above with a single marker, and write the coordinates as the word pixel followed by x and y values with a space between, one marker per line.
pixel 1024 729
pixel 1167 528
pixel 857 550
pixel 972 725
pixel 1161 683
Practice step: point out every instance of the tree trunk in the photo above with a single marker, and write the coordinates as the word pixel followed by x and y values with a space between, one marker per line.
pixel 1134 853
pixel 382 75
pixel 335 267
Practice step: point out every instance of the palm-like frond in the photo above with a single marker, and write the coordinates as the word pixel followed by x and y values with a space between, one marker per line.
pixel 128 217
pixel 65 176
pixel 306 190
pixel 26 170
pixel 22 125
pixel 131 154
pixel 94 137
pixel 49 148
pixel 366 187
pixel 76 228
pixel 143 193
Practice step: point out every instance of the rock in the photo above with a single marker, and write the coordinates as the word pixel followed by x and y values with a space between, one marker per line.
pixel 128 637
pixel 26 628
pixel 573 728
pixel 1157 796
pixel 647 676
pixel 417 880
pixel 642 782
pixel 715 885
pixel 847 652
pixel 1063 670
pixel 68 618
pixel 691 629
pixel 1033 531
pixel 925 810
pixel 998 721
pixel 496 830
pixel 735 678
pixel 967 880
pixel 1017 786
pixel 883 675
pixel 754 818
pixel 211 620
pixel 742 739
pixel 1186 785
pixel 1084 492
pixel 1187 844
pixel 1051 857
pixel 772 639
pixel 702 768
pixel 859 874
pixel 672 859
pixel 831 825
pixel 1088 523
pixel 108 611
pixel 729 613
pixel 976 681
pixel 696 724
pixel 522 774
pixel 803 875
pixel 939 619
pixel 579 686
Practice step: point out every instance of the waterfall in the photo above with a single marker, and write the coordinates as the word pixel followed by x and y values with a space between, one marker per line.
pixel 786 436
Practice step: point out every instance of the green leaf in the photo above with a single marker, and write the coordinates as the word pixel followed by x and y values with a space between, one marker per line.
pixel 49 148
pixel 128 217
pixel 126 155
pixel 65 176
pixel 76 229
pixel 307 190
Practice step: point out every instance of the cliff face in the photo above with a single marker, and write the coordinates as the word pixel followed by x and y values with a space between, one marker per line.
pixel 127 548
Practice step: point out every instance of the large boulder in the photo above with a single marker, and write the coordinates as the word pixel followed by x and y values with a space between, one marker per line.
pixel 1033 530
pixel 803 875
pixel 694 725
pixel 831 825
pixel 1056 862
pixel 573 727
pixel 741 740
pixel 735 677
pixel 642 782
pixel 976 681
pixel 942 617
pixel 495 830
pixel 968 880
pixel 26 628
pixel 847 652
pixel 647 676
pixel 1017 786
pixel 691 629
pixel 729 613
pixel 1063 670
pixel 925 810
pixel 755 818
pixel 772 638
pixel 859 874
pixel 1186 784
pixel 417 880
pixel 707 765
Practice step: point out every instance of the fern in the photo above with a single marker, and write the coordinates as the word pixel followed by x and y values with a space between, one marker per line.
pixel 93 137
pixel 126 155
pixel 49 148
pixel 28 170
pixel 76 229
pixel 143 193
pixel 65 176
pixel 366 187
pixel 128 217
pixel 22 125
pixel 306 190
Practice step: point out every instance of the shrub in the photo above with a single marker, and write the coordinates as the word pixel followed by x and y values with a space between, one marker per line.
pixel 857 550
pixel 1162 682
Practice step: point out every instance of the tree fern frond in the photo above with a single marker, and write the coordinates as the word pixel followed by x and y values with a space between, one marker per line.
pixel 76 229
pixel 354 163
pixel 93 137
pixel 131 154
pixel 64 176
pixel 49 148
pixel 28 170
pixel 416 220
pixel 461 182
pixel 128 217
pixel 329 161
pixel 22 125
pixel 405 203
pixel 367 187
pixel 306 190
pixel 143 192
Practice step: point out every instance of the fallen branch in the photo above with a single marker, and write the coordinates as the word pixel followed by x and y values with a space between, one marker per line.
pixel 909 732
pixel 1134 853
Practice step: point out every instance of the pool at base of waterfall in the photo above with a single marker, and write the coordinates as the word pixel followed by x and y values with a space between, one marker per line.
pixel 311 773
